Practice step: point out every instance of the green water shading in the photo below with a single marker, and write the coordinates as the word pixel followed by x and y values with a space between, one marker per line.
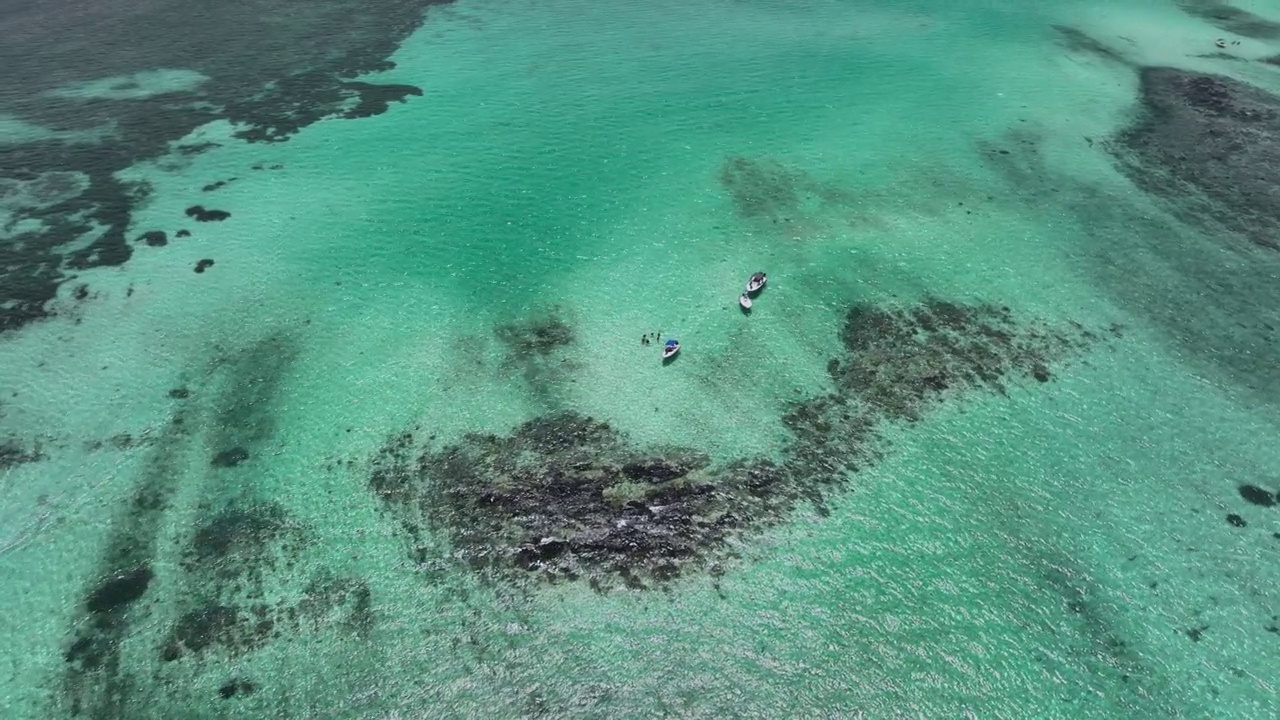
pixel 1059 551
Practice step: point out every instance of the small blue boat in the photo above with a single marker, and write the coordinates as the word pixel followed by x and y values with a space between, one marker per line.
pixel 670 349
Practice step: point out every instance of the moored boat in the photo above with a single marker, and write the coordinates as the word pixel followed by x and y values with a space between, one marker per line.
pixel 670 349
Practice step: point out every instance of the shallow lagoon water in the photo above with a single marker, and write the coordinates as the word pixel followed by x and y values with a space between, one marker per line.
pixel 1061 549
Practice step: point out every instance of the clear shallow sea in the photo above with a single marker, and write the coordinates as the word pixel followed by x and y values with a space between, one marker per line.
pixel 1061 550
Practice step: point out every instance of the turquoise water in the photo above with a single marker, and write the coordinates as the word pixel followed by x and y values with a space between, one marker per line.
pixel 1059 550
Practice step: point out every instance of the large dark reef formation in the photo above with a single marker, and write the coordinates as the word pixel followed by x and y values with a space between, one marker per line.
pixel 271 67
pixel 1210 146
pixel 564 496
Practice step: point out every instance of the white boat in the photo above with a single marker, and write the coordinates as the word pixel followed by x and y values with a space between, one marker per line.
pixel 756 282
pixel 745 301
pixel 670 349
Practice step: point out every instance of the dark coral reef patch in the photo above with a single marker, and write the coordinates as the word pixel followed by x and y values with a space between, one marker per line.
pixel 200 214
pixel 1257 495
pixel 96 681
pixel 901 359
pixel 765 191
pixel 1210 146
pixel 238 542
pixel 536 348
pixel 14 452
pixel 233 563
pixel 536 337
pixel 268 77
pixel 375 99
pixel 154 238
pixel 234 629
pixel 564 496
